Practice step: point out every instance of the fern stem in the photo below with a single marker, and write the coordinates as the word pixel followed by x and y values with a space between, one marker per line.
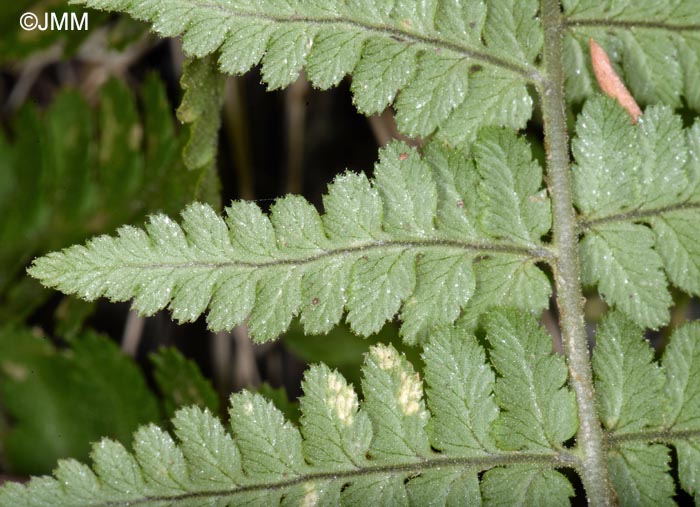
pixel 635 215
pixel 567 277
pixel 631 25
pixel 661 436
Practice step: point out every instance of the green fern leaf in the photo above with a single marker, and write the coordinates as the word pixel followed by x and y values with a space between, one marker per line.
pixel 619 257
pixel 681 364
pixel 200 107
pixel 629 386
pixel 270 446
pixel 607 159
pixel 80 171
pixel 688 453
pixel 627 380
pixel 494 99
pixel 528 486
pixel 203 440
pixel 506 280
pixel 336 434
pixel 344 452
pixel 636 189
pixel 430 97
pixel 640 475
pixel 435 60
pixel 622 167
pixel 445 489
pixel 512 27
pixel 375 252
pixel 394 402
pixel 641 49
pixel 460 392
pixel 538 412
pixel 678 246
pixel 514 207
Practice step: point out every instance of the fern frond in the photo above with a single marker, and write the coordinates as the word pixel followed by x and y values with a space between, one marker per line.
pixel 392 448
pixel 538 412
pixel 406 241
pixel 659 59
pixel 681 364
pixel 451 66
pixel 640 474
pixel 200 107
pixel 637 190
pixel 629 387
pixel 525 485
pixel 627 381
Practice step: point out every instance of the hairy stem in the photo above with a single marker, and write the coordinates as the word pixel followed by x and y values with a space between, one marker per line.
pixel 473 465
pixel 663 436
pixel 566 268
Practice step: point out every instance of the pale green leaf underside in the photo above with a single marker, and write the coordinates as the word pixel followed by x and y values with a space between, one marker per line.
pixel 460 387
pixel 681 364
pixel 655 44
pixel 405 242
pixel 526 486
pixel 539 412
pixel 638 406
pixel 509 281
pixel 458 65
pixel 640 475
pixel 636 187
pixel 628 383
pixel 345 451
pixel 619 258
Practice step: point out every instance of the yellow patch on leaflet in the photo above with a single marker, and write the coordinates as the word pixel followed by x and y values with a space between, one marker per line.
pixel 410 393
pixel 342 398
pixel 610 82
pixel 386 357
pixel 310 496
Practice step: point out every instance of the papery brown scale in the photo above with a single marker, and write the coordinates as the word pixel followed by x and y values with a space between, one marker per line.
pixel 610 82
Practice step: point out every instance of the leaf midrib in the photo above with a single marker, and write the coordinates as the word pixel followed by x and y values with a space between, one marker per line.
pixel 536 253
pixel 630 24
pixel 585 224
pixel 562 459
pixel 528 72
pixel 659 436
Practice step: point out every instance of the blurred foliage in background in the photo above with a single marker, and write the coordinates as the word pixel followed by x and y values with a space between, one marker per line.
pixel 16 44
pixel 74 164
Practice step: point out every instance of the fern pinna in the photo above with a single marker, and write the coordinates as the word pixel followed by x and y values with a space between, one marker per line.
pixel 456 240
